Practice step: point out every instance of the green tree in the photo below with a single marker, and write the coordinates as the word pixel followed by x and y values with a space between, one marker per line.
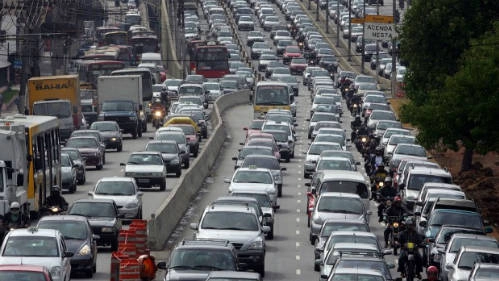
pixel 434 35
pixel 466 109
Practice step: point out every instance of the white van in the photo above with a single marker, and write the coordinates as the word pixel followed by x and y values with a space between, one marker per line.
pixel 416 178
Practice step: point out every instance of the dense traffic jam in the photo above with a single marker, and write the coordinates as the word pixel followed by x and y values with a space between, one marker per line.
pixel 429 222
pixel 369 163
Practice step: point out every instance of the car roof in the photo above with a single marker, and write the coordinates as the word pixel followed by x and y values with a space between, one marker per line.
pixel 116 178
pixel 146 152
pixel 23 267
pixel 162 142
pixel 472 236
pixel 353 233
pixel 354 245
pixel 343 175
pixel 34 231
pixel 229 208
pixel 204 243
pixel 480 249
pixel 94 200
pixel 430 171
pixel 357 270
pixel 339 194
pixel 252 169
pixel 235 198
pixel 234 274
pixel 63 218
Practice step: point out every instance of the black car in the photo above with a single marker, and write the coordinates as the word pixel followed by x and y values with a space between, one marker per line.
pixel 194 260
pixel 171 155
pixel 329 62
pixel 79 239
pixel 111 132
pixel 103 217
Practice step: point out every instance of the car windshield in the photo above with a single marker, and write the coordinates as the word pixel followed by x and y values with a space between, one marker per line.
pixel 486 273
pixel 402 139
pixel 316 149
pixel 328 164
pixel 468 259
pixel 145 159
pixel 76 230
pixel 446 233
pixel 93 209
pixel 262 162
pixel 414 150
pixel 104 126
pixel 467 219
pixel 117 106
pixel 459 242
pixel 73 154
pixel 172 82
pixel 379 265
pixel 202 259
pixel 329 138
pixel 9 275
pixel 345 186
pixel 190 90
pixel 383 125
pixel 120 188
pixel 299 61
pixel 332 204
pixel 247 176
pixel 375 99
pixel 382 115
pixel 365 79
pixel 416 182
pixel 254 150
pixel 230 221
pixel 171 148
pixel 323 117
pixel 179 138
pixel 280 136
pixel 188 130
pixel 345 226
pixel 31 246
pixel 82 143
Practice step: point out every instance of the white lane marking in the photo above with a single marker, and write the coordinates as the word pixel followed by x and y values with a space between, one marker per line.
pixel 298 210
pixel 298 201
pixel 299 193
pixel 297 232
pixel 298 272
pixel 297 257
pixel 297 219
pixel 297 244
pixel 299 179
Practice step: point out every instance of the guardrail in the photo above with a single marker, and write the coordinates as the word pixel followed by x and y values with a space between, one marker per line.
pixel 163 222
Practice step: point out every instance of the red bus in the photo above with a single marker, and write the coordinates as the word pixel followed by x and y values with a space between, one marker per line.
pixel 211 61
pixel 89 70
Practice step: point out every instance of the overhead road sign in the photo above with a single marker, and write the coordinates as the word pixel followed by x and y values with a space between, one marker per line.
pixel 378 19
pixel 379 31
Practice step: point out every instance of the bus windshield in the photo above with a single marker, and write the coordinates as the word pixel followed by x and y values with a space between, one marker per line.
pixel 272 95
pixel 58 109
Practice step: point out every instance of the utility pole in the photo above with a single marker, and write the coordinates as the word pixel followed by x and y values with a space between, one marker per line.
pixel 393 75
pixel 317 4
pixel 363 53
pixel 337 23
pixel 349 30
pixel 327 16
pixel 377 46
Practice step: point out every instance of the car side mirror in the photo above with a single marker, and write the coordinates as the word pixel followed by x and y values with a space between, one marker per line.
pixel 122 164
pixel 419 203
pixel 161 265
pixel 489 229
pixel 417 214
pixel 140 194
pixel 402 186
pixel 431 240
pixel 422 223
pixel 357 163
pixel 226 180
pixel 193 226
pixel 276 207
pixel 90 193
pixel 448 266
pixel 387 251
pixel 68 254
pixel 95 236
pixel 283 169
pixel 266 229
pixel 308 184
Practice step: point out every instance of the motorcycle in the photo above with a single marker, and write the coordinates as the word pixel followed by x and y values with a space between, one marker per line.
pixel 396 226
pixel 355 109
pixel 410 265
pixel 157 118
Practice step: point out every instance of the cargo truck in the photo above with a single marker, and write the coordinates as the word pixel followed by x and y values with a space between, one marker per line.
pixel 120 100
pixel 57 96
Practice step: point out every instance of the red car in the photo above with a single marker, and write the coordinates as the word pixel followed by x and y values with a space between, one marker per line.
pixel 255 127
pixel 291 52
pixel 298 65
pixel 24 272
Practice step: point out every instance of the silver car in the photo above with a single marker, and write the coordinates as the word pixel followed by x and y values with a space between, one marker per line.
pixel 460 268
pixel 268 162
pixel 241 227
pixel 124 191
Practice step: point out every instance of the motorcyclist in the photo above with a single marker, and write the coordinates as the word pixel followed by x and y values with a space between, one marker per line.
pixel 410 235
pixel 386 194
pixel 157 104
pixel 55 199
pixel 355 99
pixel 378 173
pixel 356 123
pixel 15 218
pixel 395 210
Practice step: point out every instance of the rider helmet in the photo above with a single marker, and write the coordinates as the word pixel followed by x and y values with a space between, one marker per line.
pixel 14 205
pixel 432 273
pixel 410 221
pixel 397 199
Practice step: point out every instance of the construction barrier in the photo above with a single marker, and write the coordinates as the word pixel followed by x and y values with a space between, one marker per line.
pixel 131 245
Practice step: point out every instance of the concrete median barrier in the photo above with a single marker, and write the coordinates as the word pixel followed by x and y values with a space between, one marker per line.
pixel 163 222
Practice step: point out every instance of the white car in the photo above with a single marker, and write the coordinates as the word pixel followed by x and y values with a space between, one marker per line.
pixel 147 168
pixel 36 246
pixel 254 179
pixel 124 191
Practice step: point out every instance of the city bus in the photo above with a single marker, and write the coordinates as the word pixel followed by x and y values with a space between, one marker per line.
pixel 89 70
pixel 101 30
pixel 38 152
pixel 116 38
pixel 144 43
pixel 271 95
pixel 211 61
pixel 121 53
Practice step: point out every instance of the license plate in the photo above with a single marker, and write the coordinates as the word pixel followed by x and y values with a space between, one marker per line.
pixel 143 180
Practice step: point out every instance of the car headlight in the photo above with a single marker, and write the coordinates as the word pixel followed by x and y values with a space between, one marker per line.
pixel 113 139
pixel 84 251
pixel 131 205
pixel 309 164
pixel 107 229
pixel 56 271
pixel 129 174
pixel 256 245
pixel 133 118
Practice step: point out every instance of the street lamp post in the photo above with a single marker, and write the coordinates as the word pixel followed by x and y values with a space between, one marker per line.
pixel 317 4
pixel 394 54
pixel 363 40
